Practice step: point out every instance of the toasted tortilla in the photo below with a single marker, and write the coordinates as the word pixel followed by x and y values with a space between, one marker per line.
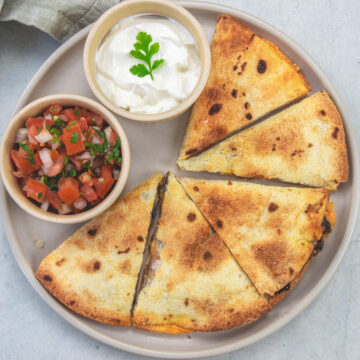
pixel 192 282
pixel 281 294
pixel 95 271
pixel 249 78
pixel 271 231
pixel 303 144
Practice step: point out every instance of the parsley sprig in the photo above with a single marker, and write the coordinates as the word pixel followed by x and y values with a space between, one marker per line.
pixel 143 51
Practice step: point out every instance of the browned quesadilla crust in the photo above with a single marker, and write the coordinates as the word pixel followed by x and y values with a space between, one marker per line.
pixel 193 282
pixel 304 144
pixel 249 78
pixel 94 272
pixel 331 218
pixel 271 231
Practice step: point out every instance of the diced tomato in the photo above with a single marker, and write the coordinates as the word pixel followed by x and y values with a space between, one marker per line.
pixel 54 155
pixel 83 112
pixel 77 163
pixel 83 124
pixel 105 182
pixel 54 109
pixel 23 153
pixel 39 122
pixel 113 138
pixel 68 190
pixel 72 139
pixel 95 119
pixel 53 199
pixel 88 192
pixel 86 178
pixel 36 190
pixel 71 115
pixel 23 163
pixel 33 131
pixel 58 165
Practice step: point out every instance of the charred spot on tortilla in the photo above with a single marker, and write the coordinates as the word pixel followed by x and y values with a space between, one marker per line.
pixel 215 109
pixel 92 232
pixel 285 288
pixel 261 66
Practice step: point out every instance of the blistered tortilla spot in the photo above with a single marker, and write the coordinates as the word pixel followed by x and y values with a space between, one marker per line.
pixel 273 207
pixel 191 217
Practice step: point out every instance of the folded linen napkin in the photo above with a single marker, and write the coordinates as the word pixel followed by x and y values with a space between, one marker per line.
pixel 59 18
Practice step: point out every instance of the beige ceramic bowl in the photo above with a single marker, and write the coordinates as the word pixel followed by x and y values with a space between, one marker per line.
pixel 34 109
pixel 134 7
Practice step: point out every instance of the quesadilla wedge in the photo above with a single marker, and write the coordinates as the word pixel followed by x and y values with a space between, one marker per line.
pixel 271 231
pixel 95 271
pixel 192 282
pixel 303 144
pixel 249 78
pixel 328 224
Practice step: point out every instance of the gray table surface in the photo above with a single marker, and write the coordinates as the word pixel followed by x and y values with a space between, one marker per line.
pixel 328 329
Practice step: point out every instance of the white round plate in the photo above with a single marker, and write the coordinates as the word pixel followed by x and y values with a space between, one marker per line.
pixel 155 147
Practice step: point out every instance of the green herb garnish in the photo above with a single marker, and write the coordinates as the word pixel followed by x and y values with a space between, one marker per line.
pixel 72 122
pixel 77 112
pixel 40 195
pixel 74 138
pixel 51 184
pixel 29 151
pixel 71 173
pixel 115 155
pixel 60 123
pixel 143 51
pixel 101 133
pixel 54 109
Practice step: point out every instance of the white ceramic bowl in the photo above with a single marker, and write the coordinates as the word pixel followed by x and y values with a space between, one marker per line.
pixel 134 7
pixel 34 109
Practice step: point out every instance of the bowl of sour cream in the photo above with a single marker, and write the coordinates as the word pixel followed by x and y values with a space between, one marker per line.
pixel 147 60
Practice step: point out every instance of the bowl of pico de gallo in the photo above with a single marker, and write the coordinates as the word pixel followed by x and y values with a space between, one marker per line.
pixel 64 158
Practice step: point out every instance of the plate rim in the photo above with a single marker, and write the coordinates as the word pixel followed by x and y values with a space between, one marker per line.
pixel 282 320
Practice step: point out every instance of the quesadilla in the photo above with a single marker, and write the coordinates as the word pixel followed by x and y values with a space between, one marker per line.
pixel 271 231
pixel 328 225
pixel 249 78
pixel 303 144
pixel 95 271
pixel 192 282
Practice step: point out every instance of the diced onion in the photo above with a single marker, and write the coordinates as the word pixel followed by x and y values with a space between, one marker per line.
pixel 64 209
pixel 84 156
pixel 80 203
pixel 107 132
pixel 21 135
pixel 56 145
pixel 48 116
pixel 46 160
pixel 44 136
pixel 116 174
pixel 45 205
pixel 96 139
pixel 63 117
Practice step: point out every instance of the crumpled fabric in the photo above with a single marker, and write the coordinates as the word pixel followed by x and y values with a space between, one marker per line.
pixel 59 18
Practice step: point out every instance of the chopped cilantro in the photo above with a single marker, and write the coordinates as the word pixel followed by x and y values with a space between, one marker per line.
pixel 40 195
pixel 101 133
pixel 74 138
pixel 70 173
pixel 77 112
pixel 29 151
pixel 54 109
pixel 68 128
pixel 51 184
pixel 72 122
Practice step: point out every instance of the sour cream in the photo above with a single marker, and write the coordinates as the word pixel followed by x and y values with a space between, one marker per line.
pixel 173 80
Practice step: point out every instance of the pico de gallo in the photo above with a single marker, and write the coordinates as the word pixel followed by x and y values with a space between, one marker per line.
pixel 67 160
